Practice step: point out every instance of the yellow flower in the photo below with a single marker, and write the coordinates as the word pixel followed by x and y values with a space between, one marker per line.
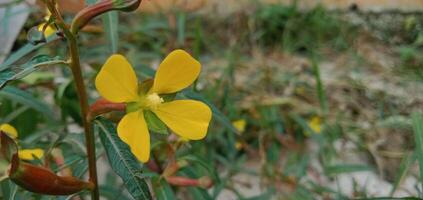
pixel 315 124
pixel 239 125
pixel 238 145
pixel 24 154
pixel 118 83
pixel 29 154
pixel 50 29
pixel 10 130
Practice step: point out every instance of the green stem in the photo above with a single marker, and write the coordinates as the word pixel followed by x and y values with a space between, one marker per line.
pixel 82 95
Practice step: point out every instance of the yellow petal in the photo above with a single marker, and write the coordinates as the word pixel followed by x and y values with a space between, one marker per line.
pixel 177 71
pixel 117 81
pixel 10 130
pixel 187 118
pixel 132 129
pixel 30 154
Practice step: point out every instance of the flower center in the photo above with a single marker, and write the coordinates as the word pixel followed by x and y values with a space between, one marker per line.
pixel 149 102
pixel 153 100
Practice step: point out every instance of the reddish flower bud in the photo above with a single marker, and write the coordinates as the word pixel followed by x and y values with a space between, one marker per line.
pixel 43 181
pixel 85 15
pixel 34 178
pixel 203 182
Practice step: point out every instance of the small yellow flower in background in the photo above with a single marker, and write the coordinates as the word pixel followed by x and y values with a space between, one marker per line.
pixel 238 145
pixel 239 125
pixel 315 123
pixel 24 154
pixel 118 83
pixel 50 29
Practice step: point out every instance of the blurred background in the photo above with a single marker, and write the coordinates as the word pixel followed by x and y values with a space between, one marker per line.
pixel 320 92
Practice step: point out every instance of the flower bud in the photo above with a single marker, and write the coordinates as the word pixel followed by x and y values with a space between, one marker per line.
pixel 34 178
pixel 203 182
pixel 84 16
pixel 43 181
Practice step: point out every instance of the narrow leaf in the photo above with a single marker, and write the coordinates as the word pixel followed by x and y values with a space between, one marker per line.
pixel 27 99
pixel 15 72
pixel 198 160
pixel 320 88
pixel 110 23
pixel 418 132
pixel 346 168
pixel 162 189
pixel 23 51
pixel 406 162
pixel 181 28
pixel 122 161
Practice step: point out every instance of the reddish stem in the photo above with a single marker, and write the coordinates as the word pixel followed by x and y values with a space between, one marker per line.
pixel 152 164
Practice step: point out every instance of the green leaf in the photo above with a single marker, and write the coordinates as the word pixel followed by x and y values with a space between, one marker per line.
pixel 37 77
pixel 203 163
pixel 418 131
pixel 8 189
pixel 320 88
pixel 154 123
pixel 405 165
pixel 13 115
pixel 25 50
pixel 181 21
pixel 15 72
pixel 122 161
pixel 162 189
pixel 346 168
pixel 27 99
pixel 110 23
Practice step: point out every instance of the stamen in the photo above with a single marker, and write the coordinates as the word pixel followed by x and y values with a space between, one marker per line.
pixel 153 100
